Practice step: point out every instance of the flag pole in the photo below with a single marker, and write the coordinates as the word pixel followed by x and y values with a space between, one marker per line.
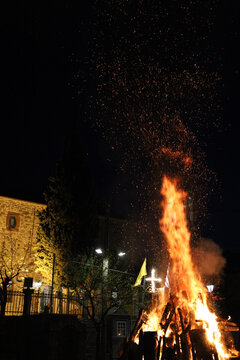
pixel 144 288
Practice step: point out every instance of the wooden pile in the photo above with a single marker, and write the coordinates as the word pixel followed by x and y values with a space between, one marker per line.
pixel 179 340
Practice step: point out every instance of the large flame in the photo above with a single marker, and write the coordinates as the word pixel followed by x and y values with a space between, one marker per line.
pixel 188 292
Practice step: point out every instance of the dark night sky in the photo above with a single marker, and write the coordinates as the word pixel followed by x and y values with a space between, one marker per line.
pixel 37 109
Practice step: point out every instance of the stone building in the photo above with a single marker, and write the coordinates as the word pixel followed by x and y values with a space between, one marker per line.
pixel 18 228
pixel 19 224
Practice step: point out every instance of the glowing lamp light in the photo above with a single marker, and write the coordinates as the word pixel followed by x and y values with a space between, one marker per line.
pixel 210 288
pixel 121 253
pixel 37 284
pixel 98 251
pixel 153 280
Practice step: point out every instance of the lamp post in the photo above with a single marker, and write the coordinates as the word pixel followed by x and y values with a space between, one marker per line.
pixel 53 270
pixel 99 251
pixel 105 267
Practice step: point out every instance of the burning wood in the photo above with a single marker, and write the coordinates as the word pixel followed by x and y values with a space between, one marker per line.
pixel 131 351
pixel 182 327
pixel 174 340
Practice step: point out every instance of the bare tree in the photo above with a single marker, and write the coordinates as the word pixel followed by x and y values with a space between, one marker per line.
pixel 15 260
pixel 100 287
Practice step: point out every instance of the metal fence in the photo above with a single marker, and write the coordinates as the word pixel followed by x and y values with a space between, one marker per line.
pixel 40 303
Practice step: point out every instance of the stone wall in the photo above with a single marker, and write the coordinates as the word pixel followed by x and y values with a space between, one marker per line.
pixel 18 228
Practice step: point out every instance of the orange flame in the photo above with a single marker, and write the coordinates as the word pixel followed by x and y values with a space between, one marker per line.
pixel 185 281
pixel 188 292
pixel 183 276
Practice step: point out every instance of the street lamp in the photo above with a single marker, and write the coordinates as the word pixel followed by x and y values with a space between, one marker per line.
pixel 121 253
pixel 98 251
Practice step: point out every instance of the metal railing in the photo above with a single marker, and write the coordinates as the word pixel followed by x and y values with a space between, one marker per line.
pixel 40 303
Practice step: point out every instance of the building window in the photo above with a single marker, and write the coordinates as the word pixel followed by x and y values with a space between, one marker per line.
pixel 13 221
pixel 121 328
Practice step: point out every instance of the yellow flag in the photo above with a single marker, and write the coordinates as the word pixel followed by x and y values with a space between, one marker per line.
pixel 142 273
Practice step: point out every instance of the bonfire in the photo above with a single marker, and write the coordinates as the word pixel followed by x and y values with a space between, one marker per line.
pixel 181 325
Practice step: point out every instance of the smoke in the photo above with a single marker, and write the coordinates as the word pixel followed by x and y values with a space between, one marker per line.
pixel 208 257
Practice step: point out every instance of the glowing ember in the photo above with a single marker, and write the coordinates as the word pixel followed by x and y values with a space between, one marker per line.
pixel 186 313
pixel 178 155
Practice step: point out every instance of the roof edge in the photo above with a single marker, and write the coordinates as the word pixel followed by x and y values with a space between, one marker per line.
pixel 25 201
